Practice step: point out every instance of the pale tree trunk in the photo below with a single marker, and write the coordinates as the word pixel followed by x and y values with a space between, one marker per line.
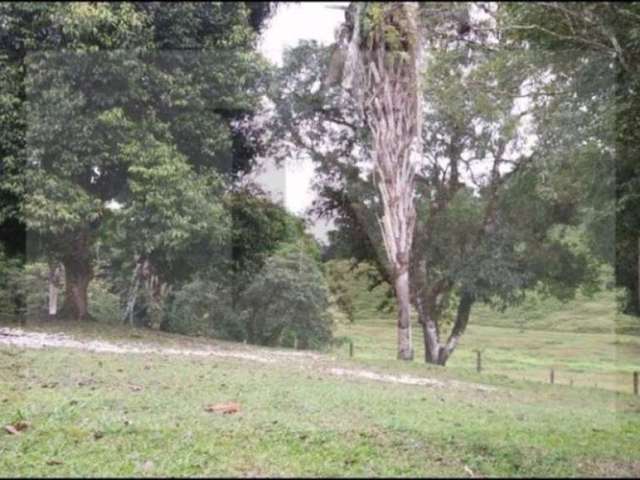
pixel 158 292
pixel 391 104
pixel 405 344
pixel 54 287
pixel 127 316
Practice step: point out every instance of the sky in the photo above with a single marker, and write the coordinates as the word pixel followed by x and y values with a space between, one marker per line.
pixel 318 21
pixel 290 24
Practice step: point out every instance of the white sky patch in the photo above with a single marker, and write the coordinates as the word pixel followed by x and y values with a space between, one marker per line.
pixel 291 184
pixel 292 23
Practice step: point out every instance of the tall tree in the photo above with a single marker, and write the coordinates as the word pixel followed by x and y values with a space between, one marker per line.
pixel 382 70
pixel 597 45
pixel 113 72
pixel 492 220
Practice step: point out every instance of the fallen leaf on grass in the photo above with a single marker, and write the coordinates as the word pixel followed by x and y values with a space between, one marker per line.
pixel 17 428
pixel 10 429
pixel 224 408
pixel 55 462
pixel 468 470
pixel 135 388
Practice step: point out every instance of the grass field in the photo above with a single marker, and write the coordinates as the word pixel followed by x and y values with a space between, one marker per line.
pixel 105 414
pixel 586 359
pixel 583 314
pixel 584 340
pixel 143 414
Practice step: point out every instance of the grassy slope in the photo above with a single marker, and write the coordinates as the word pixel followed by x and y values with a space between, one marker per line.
pixel 577 338
pixel 596 314
pixel 602 360
pixel 294 422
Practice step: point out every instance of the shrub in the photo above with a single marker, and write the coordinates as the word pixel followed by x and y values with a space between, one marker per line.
pixel 103 303
pixel 203 307
pixel 288 299
pixel 11 301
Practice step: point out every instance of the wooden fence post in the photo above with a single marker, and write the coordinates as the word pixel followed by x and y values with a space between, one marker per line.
pixel 478 361
pixel 635 383
pixel 552 376
pixel 295 342
pixel 351 348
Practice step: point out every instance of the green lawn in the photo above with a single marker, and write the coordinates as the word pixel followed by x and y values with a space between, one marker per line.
pixel 115 415
pixel 586 359
pixel 584 340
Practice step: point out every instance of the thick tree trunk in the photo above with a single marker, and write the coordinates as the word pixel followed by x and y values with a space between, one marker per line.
pixel 405 346
pixel 436 352
pixel 460 325
pixel 430 331
pixel 77 274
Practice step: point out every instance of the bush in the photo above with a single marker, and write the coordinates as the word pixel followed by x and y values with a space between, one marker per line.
pixel 104 305
pixel 11 301
pixel 25 290
pixel 203 307
pixel 288 299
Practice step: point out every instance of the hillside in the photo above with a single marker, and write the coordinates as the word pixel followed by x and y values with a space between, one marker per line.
pixel 145 413
pixel 596 314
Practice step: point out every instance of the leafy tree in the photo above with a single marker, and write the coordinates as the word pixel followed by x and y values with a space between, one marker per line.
pixel 382 71
pixel 169 209
pixel 287 300
pixel 81 107
pixel 597 46
pixel 489 210
pixel 271 291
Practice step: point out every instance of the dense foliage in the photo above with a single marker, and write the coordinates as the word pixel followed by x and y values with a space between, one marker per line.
pixel 595 46
pixel 130 133
pixel 127 132
pixel 497 216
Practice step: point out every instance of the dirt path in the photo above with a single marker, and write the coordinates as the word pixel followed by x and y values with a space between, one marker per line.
pixel 24 339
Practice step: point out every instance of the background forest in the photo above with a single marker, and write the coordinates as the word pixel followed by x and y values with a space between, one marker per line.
pixel 130 132
pixel 478 162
